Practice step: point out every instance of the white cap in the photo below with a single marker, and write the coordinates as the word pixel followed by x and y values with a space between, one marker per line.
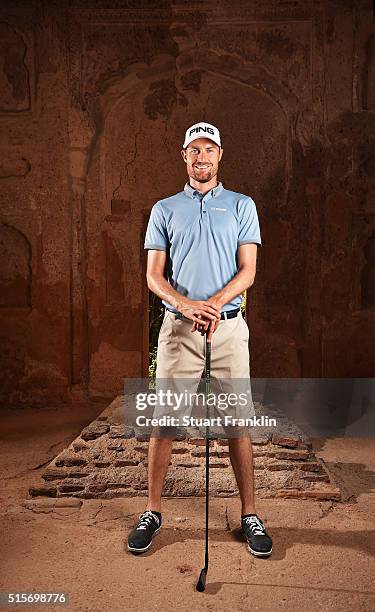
pixel 202 130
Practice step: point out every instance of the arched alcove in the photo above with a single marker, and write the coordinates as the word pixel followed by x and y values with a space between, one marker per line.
pixel 15 268
pixel 136 161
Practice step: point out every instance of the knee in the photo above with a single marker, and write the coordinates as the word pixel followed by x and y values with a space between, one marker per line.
pixel 169 433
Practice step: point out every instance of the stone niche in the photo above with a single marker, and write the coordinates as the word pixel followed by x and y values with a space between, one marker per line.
pixel 15 269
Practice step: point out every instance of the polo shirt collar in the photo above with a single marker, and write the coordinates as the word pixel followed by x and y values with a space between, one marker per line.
pixel 191 192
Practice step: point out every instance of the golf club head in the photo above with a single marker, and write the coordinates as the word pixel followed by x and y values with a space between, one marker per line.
pixel 201 584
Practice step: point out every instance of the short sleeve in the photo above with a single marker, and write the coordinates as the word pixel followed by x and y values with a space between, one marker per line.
pixel 156 233
pixel 249 230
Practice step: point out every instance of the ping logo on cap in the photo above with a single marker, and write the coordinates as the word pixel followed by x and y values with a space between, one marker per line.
pixel 203 128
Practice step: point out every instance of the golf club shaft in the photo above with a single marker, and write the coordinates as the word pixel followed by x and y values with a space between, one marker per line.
pixel 201 584
pixel 208 381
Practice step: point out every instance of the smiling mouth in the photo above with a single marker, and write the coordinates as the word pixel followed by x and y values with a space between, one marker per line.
pixel 202 167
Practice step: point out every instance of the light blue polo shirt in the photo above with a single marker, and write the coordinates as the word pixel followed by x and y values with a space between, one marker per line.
pixel 201 234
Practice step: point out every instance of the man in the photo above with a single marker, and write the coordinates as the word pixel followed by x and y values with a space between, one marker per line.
pixel 211 235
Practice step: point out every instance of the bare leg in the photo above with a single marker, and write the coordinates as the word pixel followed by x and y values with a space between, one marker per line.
pixel 241 457
pixel 159 456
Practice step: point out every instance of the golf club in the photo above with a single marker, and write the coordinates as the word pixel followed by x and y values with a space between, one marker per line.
pixel 201 584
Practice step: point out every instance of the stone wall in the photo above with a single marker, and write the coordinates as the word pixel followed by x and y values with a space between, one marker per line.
pixel 94 103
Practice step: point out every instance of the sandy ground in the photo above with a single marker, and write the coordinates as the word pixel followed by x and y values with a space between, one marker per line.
pixel 323 555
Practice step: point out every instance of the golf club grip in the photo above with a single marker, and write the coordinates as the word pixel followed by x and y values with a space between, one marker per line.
pixel 201 584
pixel 208 360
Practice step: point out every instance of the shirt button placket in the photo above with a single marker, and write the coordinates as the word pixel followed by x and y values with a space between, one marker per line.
pixel 203 208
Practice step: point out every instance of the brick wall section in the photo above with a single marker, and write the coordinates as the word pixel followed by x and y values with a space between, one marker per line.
pixel 108 460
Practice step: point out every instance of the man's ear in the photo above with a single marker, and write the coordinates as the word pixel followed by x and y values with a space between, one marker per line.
pixel 221 153
pixel 183 153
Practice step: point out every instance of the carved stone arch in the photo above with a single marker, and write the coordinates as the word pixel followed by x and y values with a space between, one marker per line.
pixel 252 75
pixel 165 69
pixel 165 72
pixel 243 71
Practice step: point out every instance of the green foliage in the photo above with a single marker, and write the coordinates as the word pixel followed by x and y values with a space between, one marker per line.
pixel 156 313
pixel 152 362
pixel 243 303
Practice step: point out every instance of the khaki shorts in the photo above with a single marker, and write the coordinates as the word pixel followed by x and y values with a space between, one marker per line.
pixel 181 362
pixel 181 351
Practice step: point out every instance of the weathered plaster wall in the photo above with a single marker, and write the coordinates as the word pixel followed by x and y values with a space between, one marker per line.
pixel 94 101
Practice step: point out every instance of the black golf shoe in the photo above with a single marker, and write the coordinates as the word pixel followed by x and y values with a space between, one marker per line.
pixel 140 538
pixel 258 541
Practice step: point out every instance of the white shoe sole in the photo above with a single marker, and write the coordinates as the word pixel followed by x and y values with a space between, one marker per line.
pixel 256 553
pixel 141 550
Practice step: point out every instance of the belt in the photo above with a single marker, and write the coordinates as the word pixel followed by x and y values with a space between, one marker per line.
pixel 229 314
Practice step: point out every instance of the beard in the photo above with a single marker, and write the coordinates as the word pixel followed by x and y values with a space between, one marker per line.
pixel 202 177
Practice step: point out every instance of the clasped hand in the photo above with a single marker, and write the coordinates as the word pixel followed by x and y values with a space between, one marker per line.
pixel 205 315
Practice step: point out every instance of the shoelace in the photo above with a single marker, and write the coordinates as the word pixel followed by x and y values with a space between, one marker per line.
pixel 146 519
pixel 255 524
